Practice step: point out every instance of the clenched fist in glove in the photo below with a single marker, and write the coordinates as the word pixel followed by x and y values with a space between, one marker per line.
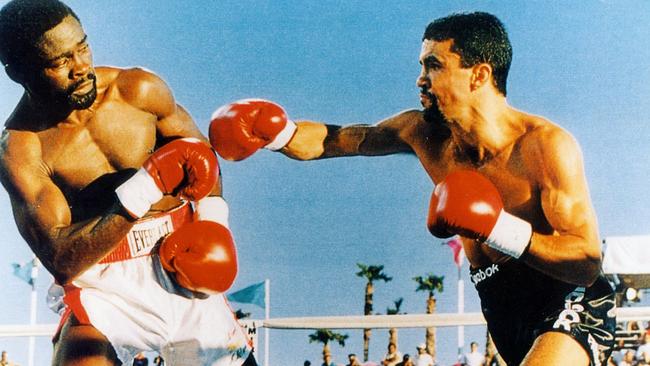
pixel 186 166
pixel 202 257
pixel 468 204
pixel 239 129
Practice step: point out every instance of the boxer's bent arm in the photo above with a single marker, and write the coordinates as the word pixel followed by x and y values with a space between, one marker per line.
pixel 179 124
pixel 66 249
pixel 43 216
pixel 145 90
pixel 314 140
pixel 573 254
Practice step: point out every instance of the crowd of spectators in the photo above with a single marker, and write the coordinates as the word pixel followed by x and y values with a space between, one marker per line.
pixel 142 360
pixel 632 346
pixel 420 357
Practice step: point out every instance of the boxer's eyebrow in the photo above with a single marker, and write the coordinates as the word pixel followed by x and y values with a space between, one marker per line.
pixel 430 61
pixel 69 54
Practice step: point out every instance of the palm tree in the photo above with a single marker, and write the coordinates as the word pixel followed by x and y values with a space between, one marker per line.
pixel 430 283
pixel 392 332
pixel 371 273
pixel 324 336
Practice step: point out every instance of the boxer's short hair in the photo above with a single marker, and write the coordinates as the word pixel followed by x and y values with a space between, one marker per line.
pixel 478 37
pixel 22 25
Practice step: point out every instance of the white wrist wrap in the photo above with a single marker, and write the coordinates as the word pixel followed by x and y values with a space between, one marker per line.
pixel 510 235
pixel 138 193
pixel 283 138
pixel 213 209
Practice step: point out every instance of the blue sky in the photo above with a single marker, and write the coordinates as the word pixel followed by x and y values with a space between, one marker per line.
pixel 305 225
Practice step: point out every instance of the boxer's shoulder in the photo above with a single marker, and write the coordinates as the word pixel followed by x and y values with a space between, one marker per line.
pixel 110 75
pixel 539 130
pixel 137 86
pixel 544 141
pixel 18 145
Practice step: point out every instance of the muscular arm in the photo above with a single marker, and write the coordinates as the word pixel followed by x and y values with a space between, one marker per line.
pixel 314 140
pixel 154 95
pixel 573 253
pixel 68 247
pixel 43 216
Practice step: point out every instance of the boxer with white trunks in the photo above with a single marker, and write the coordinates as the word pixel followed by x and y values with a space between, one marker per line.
pixel 532 222
pixel 117 192
pixel 126 296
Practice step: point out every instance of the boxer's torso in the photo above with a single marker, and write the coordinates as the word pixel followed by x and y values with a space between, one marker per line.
pixel 112 135
pixel 511 170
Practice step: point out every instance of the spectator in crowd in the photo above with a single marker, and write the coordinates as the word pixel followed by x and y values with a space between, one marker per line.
pixel 140 360
pixel 353 360
pixel 393 356
pixel 474 357
pixel 327 360
pixel 406 361
pixel 158 361
pixel 643 352
pixel 423 358
pixel 628 358
pixel 494 361
pixel 4 360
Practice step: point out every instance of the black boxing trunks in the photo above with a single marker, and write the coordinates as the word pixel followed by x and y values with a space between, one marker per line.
pixel 520 303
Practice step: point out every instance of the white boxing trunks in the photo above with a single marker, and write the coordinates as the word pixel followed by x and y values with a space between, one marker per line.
pixel 129 299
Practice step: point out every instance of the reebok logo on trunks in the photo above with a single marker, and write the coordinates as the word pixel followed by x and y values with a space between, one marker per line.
pixel 144 235
pixel 484 273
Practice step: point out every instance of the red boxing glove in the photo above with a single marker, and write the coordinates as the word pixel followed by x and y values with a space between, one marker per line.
pixel 202 256
pixel 186 166
pixel 468 204
pixel 239 129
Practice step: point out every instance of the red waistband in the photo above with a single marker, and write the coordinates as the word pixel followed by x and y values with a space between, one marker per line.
pixel 146 232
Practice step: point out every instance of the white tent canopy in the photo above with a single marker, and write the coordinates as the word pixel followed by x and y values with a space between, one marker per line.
pixel 628 257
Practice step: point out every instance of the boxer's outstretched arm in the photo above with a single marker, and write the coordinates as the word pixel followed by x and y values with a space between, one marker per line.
pixel 314 140
pixel 43 216
pixel 573 254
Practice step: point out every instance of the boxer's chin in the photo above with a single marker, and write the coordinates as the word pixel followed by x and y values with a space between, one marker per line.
pixel 427 100
pixel 83 101
pixel 432 113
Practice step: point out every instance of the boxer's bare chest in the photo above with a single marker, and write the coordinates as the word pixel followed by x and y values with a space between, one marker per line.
pixel 508 172
pixel 112 137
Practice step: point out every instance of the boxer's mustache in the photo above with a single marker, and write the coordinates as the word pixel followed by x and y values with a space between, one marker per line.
pixel 90 76
pixel 428 94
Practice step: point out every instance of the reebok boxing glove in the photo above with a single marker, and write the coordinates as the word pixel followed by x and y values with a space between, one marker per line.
pixel 186 166
pixel 239 129
pixel 202 257
pixel 468 204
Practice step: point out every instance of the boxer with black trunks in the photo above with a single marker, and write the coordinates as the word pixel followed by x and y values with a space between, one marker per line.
pixel 118 193
pixel 510 183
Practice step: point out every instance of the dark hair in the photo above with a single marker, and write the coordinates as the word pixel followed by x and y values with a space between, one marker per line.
pixel 23 23
pixel 478 38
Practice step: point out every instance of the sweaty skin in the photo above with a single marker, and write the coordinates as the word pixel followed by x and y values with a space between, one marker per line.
pixel 47 167
pixel 61 165
pixel 536 166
